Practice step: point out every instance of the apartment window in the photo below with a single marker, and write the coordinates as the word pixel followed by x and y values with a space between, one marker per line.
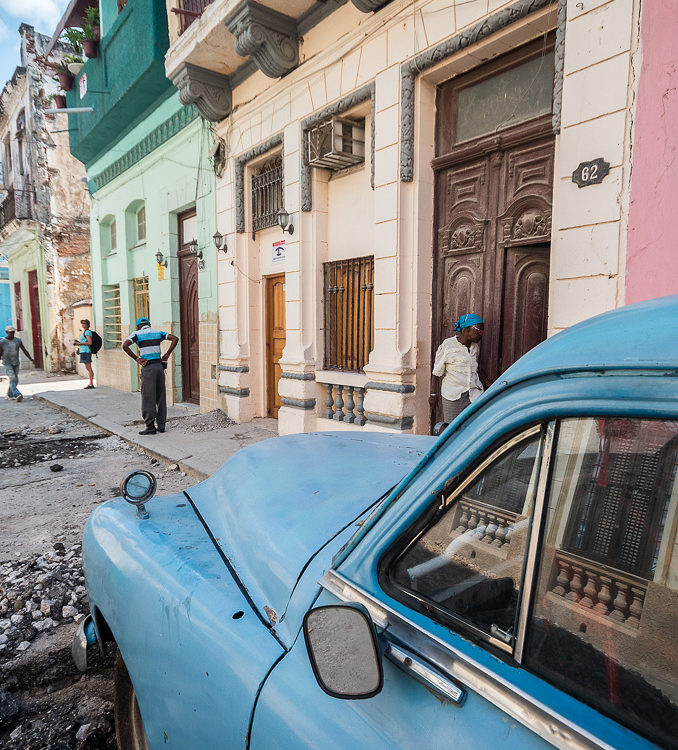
pixel 113 237
pixel 349 313
pixel 266 194
pixel 8 162
pixel 142 304
pixel 141 224
pixel 112 317
pixel 18 308
pixel 20 133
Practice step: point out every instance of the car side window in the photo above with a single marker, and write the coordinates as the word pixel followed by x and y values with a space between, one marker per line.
pixel 603 622
pixel 467 567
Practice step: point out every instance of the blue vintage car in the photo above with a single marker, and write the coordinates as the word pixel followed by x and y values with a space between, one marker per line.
pixel 512 583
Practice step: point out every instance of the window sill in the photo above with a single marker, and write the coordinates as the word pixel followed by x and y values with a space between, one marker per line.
pixel 341 377
pixel 137 246
pixel 108 255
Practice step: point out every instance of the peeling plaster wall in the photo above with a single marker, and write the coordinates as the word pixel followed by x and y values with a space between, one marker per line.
pixel 651 266
pixel 56 196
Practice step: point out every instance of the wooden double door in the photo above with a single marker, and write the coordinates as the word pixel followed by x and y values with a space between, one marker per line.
pixel 276 337
pixel 189 310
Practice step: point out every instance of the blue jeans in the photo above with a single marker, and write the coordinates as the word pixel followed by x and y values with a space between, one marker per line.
pixel 13 373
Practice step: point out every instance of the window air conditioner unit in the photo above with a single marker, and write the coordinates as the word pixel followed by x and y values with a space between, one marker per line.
pixel 336 143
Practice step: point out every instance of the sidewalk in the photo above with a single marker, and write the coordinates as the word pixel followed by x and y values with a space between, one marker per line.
pixel 119 413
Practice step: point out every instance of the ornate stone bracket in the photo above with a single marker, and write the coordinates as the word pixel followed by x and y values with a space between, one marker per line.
pixel 270 37
pixel 341 105
pixel 240 162
pixel 410 69
pixel 367 6
pixel 210 92
pixel 558 73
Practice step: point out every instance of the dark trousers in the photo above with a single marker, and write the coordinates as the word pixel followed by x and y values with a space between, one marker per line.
pixel 153 401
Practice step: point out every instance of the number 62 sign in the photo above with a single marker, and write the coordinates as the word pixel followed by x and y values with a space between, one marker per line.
pixel 590 172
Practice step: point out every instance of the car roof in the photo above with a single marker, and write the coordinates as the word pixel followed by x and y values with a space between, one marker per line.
pixel 640 336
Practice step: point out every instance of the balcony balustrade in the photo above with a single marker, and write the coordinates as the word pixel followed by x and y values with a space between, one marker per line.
pixel 188 11
pixel 344 403
pixel 16 205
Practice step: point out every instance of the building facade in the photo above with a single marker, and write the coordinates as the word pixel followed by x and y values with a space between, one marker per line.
pixel 44 216
pixel 152 215
pixel 434 158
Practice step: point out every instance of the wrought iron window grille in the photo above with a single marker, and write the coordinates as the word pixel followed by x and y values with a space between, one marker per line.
pixel 266 194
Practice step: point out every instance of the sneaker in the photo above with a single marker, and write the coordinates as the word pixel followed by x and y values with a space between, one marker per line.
pixel 148 431
pixel 19 398
pixel 161 429
pixel 88 386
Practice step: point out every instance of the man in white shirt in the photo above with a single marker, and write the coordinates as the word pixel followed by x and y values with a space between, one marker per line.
pixel 457 363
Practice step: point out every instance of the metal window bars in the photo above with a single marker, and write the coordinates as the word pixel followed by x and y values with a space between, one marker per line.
pixel 188 11
pixel 16 205
pixel 112 316
pixel 266 194
pixel 349 313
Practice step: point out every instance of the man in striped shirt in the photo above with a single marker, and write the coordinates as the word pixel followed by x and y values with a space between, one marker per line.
pixel 153 364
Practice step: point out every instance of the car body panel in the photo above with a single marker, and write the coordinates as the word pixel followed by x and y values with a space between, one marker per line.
pixel 292 495
pixel 169 601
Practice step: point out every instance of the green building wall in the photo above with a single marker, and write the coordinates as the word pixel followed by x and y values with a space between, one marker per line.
pixel 163 164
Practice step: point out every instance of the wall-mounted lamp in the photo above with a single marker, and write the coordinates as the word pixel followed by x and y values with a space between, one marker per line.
pixel 283 218
pixel 220 242
pixel 193 247
pixel 160 258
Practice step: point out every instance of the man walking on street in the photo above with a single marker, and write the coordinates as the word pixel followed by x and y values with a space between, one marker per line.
pixel 153 365
pixel 9 352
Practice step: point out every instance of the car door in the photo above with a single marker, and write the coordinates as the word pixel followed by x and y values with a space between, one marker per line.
pixel 504 611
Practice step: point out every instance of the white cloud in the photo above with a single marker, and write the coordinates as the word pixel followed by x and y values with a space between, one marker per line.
pixel 43 14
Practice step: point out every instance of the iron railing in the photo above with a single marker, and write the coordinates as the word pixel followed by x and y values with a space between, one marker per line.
pixel 188 11
pixel 349 313
pixel 266 194
pixel 112 316
pixel 17 205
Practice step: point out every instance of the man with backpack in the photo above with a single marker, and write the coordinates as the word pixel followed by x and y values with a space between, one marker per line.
pixel 89 344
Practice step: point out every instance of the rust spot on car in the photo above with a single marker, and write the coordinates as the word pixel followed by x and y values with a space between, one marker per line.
pixel 272 616
pixel 164 734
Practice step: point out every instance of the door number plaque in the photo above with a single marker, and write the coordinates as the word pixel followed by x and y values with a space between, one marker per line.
pixel 591 172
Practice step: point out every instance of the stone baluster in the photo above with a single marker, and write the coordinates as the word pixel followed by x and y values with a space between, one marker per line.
pixel 509 533
pixel 491 529
pixel 563 579
pixel 360 418
pixel 481 528
pixel 329 402
pixel 500 533
pixel 574 594
pixel 604 595
pixel 463 520
pixel 473 521
pixel 620 603
pixel 590 591
pixel 350 405
pixel 636 607
pixel 339 404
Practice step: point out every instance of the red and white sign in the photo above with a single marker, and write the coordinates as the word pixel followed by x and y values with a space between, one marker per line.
pixel 82 83
pixel 278 251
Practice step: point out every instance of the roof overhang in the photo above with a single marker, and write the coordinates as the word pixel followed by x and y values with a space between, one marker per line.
pixel 74 15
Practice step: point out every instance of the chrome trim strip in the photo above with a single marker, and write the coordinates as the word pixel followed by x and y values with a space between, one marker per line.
pixel 410 662
pixel 535 535
pixel 526 709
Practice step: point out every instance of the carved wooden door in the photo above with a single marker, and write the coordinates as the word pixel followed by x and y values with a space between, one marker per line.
pixel 189 310
pixel 36 322
pixel 276 336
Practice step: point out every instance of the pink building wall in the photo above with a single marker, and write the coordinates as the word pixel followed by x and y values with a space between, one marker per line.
pixel 652 252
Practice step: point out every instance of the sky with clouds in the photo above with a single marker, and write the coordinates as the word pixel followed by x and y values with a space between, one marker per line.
pixel 42 14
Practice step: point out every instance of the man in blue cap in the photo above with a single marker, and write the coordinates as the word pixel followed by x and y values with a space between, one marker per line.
pixel 153 364
pixel 457 363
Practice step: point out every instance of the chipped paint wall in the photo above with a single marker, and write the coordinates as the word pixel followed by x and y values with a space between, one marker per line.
pixel 53 238
pixel 651 267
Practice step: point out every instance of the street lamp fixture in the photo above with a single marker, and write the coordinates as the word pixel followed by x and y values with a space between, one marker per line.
pixel 220 242
pixel 160 258
pixel 193 247
pixel 283 219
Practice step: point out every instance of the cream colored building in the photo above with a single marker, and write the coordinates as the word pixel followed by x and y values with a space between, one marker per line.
pixel 475 117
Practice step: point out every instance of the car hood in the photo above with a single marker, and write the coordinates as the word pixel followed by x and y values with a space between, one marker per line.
pixel 273 505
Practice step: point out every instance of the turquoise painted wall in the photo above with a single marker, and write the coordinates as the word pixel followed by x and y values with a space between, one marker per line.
pixel 174 177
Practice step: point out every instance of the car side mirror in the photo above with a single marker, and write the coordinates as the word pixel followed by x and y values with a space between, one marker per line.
pixel 344 651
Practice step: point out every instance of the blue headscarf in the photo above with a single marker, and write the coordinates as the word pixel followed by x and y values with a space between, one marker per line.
pixel 470 319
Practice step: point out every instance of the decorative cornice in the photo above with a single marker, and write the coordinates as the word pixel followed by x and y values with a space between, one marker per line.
pixel 392 387
pixel 367 6
pixel 253 153
pixel 234 368
pixel 239 392
pixel 408 70
pixel 298 403
pixel 399 423
pixel 559 68
pixel 341 105
pixel 210 92
pixel 298 375
pixel 268 36
pixel 157 137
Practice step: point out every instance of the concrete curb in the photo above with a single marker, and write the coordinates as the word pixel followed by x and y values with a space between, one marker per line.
pixel 109 427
